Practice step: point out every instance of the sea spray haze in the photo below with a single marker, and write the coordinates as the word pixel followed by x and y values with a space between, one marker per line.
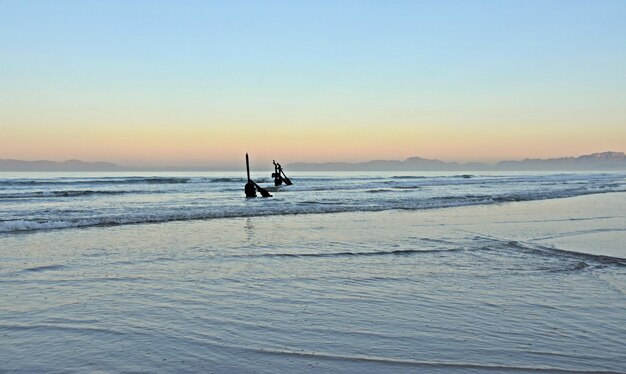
pixel 341 272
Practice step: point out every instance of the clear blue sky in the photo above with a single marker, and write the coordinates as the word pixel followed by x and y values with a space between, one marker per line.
pixel 144 81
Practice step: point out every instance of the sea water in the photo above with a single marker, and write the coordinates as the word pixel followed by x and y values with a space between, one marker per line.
pixel 341 272
pixel 34 201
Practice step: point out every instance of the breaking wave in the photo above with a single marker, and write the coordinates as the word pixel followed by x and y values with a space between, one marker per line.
pixel 90 181
pixel 68 193
pixel 205 197
pixel 271 208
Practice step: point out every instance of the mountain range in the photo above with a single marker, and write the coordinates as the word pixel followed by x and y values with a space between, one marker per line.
pixel 595 161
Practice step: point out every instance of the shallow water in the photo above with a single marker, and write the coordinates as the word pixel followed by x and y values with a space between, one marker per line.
pixel 43 201
pixel 500 287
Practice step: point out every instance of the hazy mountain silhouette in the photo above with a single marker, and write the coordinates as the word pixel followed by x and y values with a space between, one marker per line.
pixel 595 161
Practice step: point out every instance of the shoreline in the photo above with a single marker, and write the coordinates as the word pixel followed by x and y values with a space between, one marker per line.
pixel 64 226
pixel 588 227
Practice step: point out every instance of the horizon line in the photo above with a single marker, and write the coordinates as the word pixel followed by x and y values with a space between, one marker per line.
pixel 113 166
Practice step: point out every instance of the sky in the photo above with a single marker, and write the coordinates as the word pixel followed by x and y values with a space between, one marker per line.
pixel 199 83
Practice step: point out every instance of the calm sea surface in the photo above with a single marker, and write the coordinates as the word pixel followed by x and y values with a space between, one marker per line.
pixel 341 272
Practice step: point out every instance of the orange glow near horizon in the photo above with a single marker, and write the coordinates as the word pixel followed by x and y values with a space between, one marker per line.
pixel 141 145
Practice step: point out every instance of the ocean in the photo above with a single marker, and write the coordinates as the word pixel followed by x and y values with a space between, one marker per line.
pixel 339 273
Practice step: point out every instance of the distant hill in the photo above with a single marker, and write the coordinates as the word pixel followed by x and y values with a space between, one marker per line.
pixel 69 165
pixel 595 161
pixel 410 164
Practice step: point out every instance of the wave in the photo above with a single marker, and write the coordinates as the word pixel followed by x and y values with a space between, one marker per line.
pixel 582 259
pixel 365 187
pixel 8 183
pixel 51 220
pixel 393 189
pixel 67 193
pixel 380 190
pixel 601 259
pixel 27 225
pixel 397 252
pixel 226 180
pixel 581 265
pixel 408 177
pixel 272 208
pixel 331 183
pixel 90 181
pixel 44 268
pixel 423 365
pixel 466 176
